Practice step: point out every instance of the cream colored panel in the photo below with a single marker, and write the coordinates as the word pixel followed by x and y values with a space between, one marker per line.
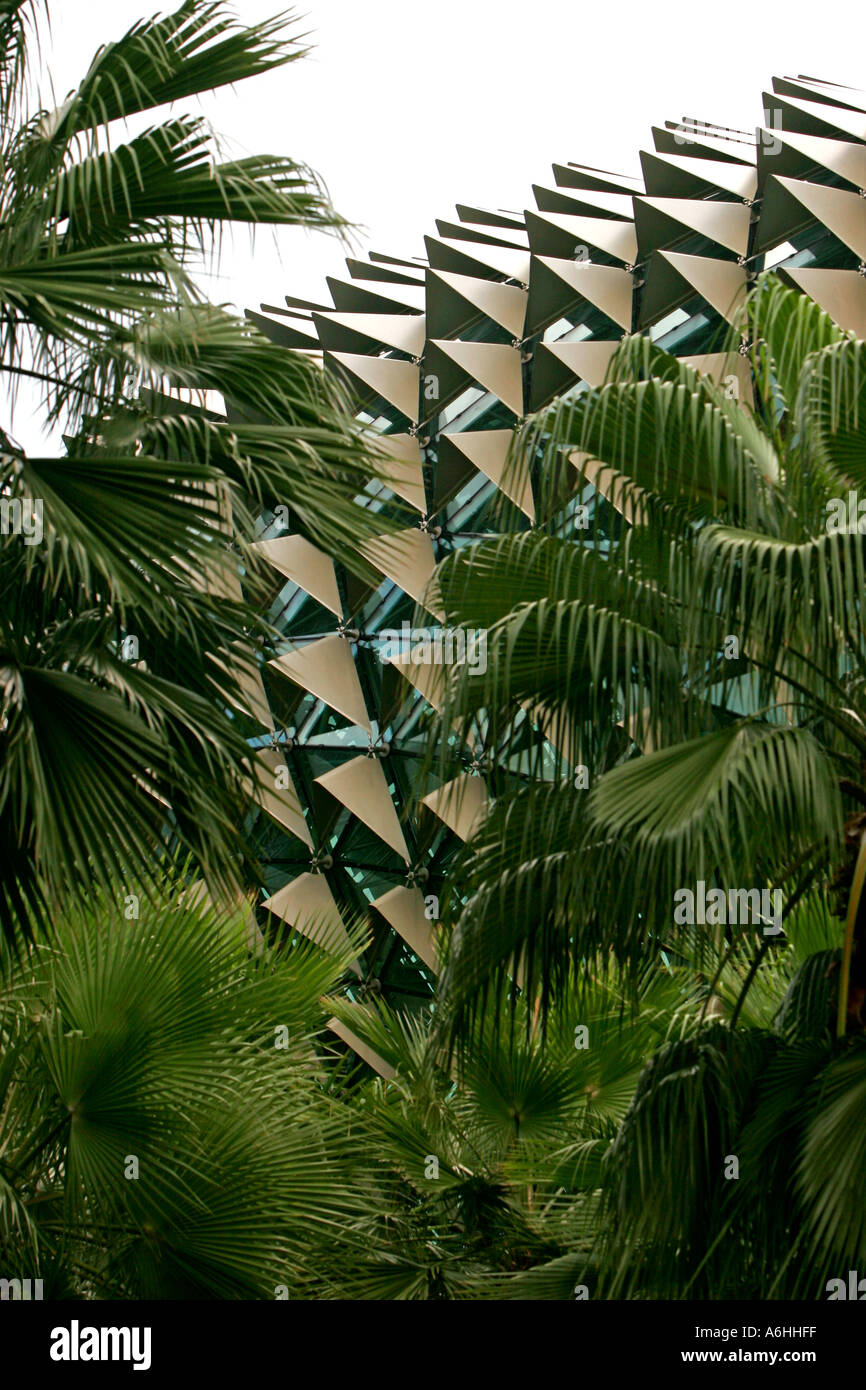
pixel 385 1070
pixel 725 223
pixel 280 801
pixel 395 381
pixel 589 361
pixel 842 293
pixel 740 179
pixel 615 238
pixel 606 286
pixel 721 366
pixel 408 296
pixel 619 491
pixel 308 905
pixel 326 669
pixel 461 804
pixel 402 331
pixel 403 909
pixel 505 304
pixel 493 365
pixel 404 473
pixel 721 283
pixel 408 559
pixel 513 264
pixel 842 158
pixel 488 451
pixel 310 568
pixel 254 701
pixel 427 678
pixel 850 122
pixel 843 213
pixel 361 786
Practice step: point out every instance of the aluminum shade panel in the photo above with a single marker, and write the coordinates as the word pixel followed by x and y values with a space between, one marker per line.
pixel 815 118
pixel 405 332
pixel 488 451
pixel 408 559
pixel 560 234
pixel 467 257
pixel 461 804
pixel 403 909
pixel 308 905
pixel 721 367
pixel 364 1051
pixel 701 145
pixel 623 495
pixel 800 153
pixel 277 795
pixel 360 785
pixel 673 176
pixel 403 472
pixel 307 566
pixel 842 293
pixel 790 204
pixel 395 381
pixel 662 220
pixel 449 296
pixel 673 277
pixel 427 679
pixel 325 668
pixel 607 287
pixel 493 365
pixel 559 365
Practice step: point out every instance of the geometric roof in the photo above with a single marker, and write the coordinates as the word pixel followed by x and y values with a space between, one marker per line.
pixel 445 354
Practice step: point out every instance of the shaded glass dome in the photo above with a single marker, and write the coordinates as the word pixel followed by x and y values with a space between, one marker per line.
pixel 446 355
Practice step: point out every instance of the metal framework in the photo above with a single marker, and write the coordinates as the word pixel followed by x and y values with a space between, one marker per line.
pixel 446 355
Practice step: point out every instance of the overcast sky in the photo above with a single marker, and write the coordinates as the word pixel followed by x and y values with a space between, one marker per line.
pixel 407 107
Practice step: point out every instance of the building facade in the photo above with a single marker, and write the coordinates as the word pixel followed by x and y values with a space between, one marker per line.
pixel 445 356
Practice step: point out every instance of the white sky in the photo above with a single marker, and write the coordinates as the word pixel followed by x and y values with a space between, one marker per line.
pixel 408 108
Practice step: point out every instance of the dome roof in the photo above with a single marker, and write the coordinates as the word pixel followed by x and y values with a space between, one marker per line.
pixel 446 355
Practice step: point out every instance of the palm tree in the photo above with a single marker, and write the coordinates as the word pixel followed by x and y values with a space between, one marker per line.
pixel 486 1175
pixel 129 647
pixel 166 1127
pixel 675 697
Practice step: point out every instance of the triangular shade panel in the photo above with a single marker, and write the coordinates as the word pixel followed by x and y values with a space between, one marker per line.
pixel 361 787
pixel 308 905
pixel 791 203
pixel 493 365
pixel 673 277
pixel 658 220
pixel 606 286
pixel 842 293
pixel 404 909
pixel 461 804
pixel 800 153
pixel 559 365
pixel 407 558
pixel 276 793
pixel 364 1051
pixel 488 451
pixel 466 257
pixel 405 332
pixel 682 176
pixel 563 235
pixel 504 304
pixel 404 471
pixel 310 568
pixel 395 381
pixel 325 668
